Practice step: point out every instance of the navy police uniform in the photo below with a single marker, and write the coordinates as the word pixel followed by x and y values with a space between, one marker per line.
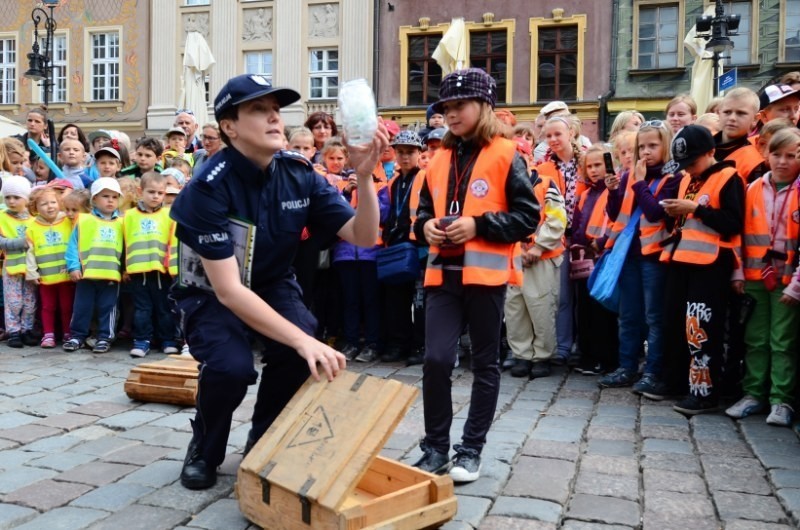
pixel 280 201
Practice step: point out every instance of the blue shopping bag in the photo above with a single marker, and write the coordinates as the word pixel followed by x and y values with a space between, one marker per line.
pixel 603 284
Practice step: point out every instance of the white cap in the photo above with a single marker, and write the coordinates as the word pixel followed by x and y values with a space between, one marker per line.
pixel 105 183
pixel 552 107
pixel 15 185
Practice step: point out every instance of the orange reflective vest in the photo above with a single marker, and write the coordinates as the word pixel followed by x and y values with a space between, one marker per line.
pixel 413 198
pixel 757 238
pixel 599 224
pixel 551 170
pixel 650 233
pixel 746 158
pixel 700 244
pixel 485 262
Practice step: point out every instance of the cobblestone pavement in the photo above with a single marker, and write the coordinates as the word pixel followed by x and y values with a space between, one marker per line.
pixel 75 452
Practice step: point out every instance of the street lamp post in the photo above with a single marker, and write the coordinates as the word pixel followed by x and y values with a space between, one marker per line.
pixel 717 30
pixel 40 63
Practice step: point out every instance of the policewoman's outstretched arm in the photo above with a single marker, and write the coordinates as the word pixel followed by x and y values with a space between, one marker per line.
pixel 362 230
pixel 260 316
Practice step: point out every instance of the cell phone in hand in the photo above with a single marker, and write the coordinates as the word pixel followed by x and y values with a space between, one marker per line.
pixel 609 163
pixel 663 204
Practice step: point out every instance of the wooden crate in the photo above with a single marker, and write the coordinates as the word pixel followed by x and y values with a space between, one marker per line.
pixel 171 380
pixel 318 465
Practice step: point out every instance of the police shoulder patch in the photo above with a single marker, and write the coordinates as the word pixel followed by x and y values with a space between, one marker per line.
pixel 294 155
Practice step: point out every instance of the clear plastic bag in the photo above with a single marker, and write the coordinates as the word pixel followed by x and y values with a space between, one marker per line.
pixel 359 112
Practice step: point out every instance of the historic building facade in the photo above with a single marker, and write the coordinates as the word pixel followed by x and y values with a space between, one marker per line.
pixel 309 45
pixel 101 63
pixel 537 51
pixel 652 63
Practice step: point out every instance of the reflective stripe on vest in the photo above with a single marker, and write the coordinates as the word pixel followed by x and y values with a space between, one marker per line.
pixel 13 228
pixel 146 240
pixel 757 240
pixel 598 225
pixel 746 158
pixel 650 233
pixel 413 201
pixel 485 262
pixel 49 243
pixel 700 244
pixel 100 247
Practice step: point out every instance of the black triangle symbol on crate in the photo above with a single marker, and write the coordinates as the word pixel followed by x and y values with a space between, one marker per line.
pixel 316 429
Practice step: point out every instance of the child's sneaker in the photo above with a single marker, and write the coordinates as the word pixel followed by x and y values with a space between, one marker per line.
pixel 101 346
pixel 73 345
pixel 48 341
pixel 15 340
pixel 780 415
pixel 745 407
pixel 466 465
pixel 185 351
pixel 692 405
pixel 141 348
pixel 618 378
pixel 29 339
pixel 170 348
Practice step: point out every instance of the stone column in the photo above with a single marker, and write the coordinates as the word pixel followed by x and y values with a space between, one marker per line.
pixel 355 54
pixel 164 67
pixel 288 53
pixel 224 44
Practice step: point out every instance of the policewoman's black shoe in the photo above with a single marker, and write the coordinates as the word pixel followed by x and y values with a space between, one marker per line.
pixel 196 473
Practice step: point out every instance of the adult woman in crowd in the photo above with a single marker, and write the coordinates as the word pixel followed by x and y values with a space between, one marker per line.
pixel 323 127
pixel 71 131
pixel 212 144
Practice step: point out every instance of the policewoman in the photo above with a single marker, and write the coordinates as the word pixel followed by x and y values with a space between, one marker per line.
pixel 476 202
pixel 279 193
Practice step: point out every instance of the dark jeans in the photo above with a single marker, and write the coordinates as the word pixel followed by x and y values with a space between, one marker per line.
pixel 91 295
pixel 598 338
pixel 448 309
pixel 221 343
pixel 150 292
pixel 359 300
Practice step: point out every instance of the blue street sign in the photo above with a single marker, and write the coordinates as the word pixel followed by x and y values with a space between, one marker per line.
pixel 727 80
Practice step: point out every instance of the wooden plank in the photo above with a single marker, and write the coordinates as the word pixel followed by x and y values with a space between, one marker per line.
pixel 386 476
pixel 430 516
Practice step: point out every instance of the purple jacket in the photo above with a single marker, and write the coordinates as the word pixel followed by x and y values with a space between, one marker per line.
pixel 580 218
pixel 643 199
pixel 344 251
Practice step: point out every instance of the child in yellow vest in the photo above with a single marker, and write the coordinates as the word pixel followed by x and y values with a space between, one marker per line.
pixel 19 295
pixel 48 235
pixel 93 258
pixel 147 234
pixel 768 275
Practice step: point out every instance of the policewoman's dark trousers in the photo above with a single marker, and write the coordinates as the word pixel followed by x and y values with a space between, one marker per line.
pixel 221 342
pixel 448 309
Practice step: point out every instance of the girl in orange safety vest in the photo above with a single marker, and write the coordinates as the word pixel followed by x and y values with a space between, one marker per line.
pixel 475 204
pixel 642 278
pixel 771 226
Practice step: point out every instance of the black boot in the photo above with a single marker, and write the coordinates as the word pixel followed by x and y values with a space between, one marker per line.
pixel 196 473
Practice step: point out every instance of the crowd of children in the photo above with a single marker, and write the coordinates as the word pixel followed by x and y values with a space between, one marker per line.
pixel 700 208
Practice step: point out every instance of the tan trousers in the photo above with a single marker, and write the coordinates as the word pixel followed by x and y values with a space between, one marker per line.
pixel 530 311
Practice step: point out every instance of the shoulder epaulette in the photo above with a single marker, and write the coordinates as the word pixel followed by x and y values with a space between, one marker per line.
pixel 294 155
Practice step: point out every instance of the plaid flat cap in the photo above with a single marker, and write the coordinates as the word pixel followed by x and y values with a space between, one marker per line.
pixel 472 83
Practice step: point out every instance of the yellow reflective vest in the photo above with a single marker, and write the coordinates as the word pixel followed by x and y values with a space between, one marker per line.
pixel 147 238
pixel 49 244
pixel 100 243
pixel 12 227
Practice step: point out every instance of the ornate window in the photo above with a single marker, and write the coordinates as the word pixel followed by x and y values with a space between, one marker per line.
pixel 323 74
pixel 8 71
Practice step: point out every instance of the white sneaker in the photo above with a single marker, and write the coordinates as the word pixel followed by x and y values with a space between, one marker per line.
pixel 746 406
pixel 170 350
pixel 466 466
pixel 185 351
pixel 139 352
pixel 780 415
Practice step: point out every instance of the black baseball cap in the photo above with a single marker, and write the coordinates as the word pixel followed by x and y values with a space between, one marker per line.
pixel 691 142
pixel 247 87
pixel 774 93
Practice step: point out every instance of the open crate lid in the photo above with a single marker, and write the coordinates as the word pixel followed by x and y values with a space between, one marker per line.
pixel 325 439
